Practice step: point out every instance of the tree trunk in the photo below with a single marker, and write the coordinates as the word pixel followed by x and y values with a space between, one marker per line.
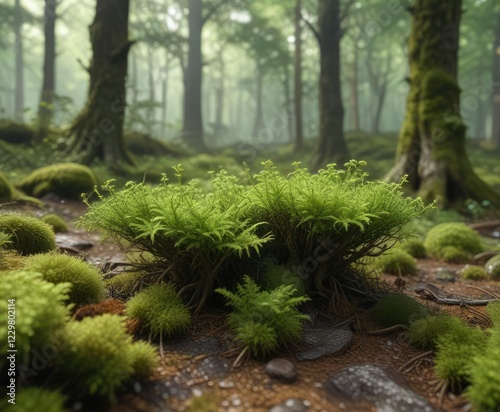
pixel 98 130
pixel 192 131
pixel 151 110
pixel 496 86
pixel 164 95
pixel 259 116
pixel 431 148
pixel 355 94
pixel 299 129
pixel 332 147
pixel 382 91
pixel 19 66
pixel 288 102
pixel 46 107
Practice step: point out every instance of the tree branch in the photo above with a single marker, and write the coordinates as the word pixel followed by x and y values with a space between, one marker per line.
pixel 347 8
pixel 312 28
pixel 212 11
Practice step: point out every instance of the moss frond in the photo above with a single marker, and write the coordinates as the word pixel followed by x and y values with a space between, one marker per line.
pixel 424 332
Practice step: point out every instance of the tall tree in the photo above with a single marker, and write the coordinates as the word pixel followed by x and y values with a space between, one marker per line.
pixel 19 59
pixel 299 129
pixel 431 148
pixel 496 81
pixel 97 132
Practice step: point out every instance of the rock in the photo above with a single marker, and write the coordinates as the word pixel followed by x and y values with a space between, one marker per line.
pixel 325 341
pixel 291 405
pixel 445 275
pixel 373 384
pixel 493 267
pixel 282 370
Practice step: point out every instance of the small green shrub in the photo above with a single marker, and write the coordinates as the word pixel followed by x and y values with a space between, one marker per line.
pixel 273 276
pixel 144 359
pixel 397 262
pixel 66 180
pixel 424 332
pixel 57 222
pixel 28 235
pixel 493 267
pixel 40 309
pixel 493 311
pixel 87 285
pixel 95 359
pixel 264 321
pixel 474 272
pixel 397 309
pixel 39 399
pixel 415 247
pixel 159 310
pixel 465 242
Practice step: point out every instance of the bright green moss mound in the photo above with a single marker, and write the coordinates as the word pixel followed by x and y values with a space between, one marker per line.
pixel 28 235
pixel 465 242
pixel 10 259
pixel 57 222
pixel 397 309
pixel 87 285
pixel 159 310
pixel 66 180
pixel 40 309
pixel 493 267
pixel 274 276
pixel 473 272
pixel 95 359
pixel 39 399
pixel 144 359
pixel 123 284
pixel 397 262
pixel 414 247
pixel 493 311
pixel 424 332
pixel 264 321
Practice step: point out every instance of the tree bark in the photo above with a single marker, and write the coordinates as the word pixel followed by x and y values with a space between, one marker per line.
pixel 355 93
pixel 331 146
pixel 431 148
pixel 46 106
pixel 495 132
pixel 97 132
pixel 259 116
pixel 19 62
pixel 299 129
pixel 151 110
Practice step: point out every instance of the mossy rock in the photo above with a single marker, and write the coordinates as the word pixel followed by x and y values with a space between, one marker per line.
pixel 57 222
pixel 16 133
pixel 493 267
pixel 441 239
pixel 87 285
pixel 414 247
pixel 66 180
pixel 397 262
pixel 28 235
pixel 142 144
pixel 398 309
pixel 474 272
pixel 425 332
pixel 39 399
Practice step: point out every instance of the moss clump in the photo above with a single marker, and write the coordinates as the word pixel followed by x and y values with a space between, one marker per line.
pixel 144 359
pixel 86 283
pixel 465 242
pixel 398 262
pixel 28 235
pixel 123 284
pixel 39 399
pixel 10 259
pixel 493 311
pixel 6 189
pixel 493 267
pixel 274 276
pixel 415 247
pixel 474 272
pixel 111 306
pixel 159 310
pixel 424 332
pixel 16 133
pixel 398 309
pixel 95 359
pixel 66 180
pixel 57 222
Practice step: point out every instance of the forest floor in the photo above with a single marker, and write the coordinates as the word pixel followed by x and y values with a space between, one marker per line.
pixel 195 376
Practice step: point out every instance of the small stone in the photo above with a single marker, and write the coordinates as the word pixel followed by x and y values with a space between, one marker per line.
pixel 282 370
pixel 445 275
pixel 226 384
pixel 291 405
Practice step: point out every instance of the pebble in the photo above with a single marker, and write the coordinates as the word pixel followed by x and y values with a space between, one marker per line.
pixel 445 275
pixel 291 405
pixel 282 370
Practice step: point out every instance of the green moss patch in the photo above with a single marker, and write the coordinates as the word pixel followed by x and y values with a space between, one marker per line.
pixel 474 272
pixel 493 267
pixel 398 309
pixel 453 242
pixel 57 222
pixel 425 332
pixel 397 262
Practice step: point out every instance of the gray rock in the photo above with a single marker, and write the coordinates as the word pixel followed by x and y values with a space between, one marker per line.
pixel 282 370
pixel 320 342
pixel 291 405
pixel 373 384
pixel 445 275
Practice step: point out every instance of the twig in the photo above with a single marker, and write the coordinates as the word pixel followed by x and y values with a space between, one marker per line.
pixel 387 330
pixel 485 291
pixel 416 358
pixel 240 356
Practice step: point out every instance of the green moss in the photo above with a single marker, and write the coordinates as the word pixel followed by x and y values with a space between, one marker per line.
pixel 397 262
pixel 16 133
pixel 425 332
pixel 144 359
pixel 57 222
pixel 273 276
pixel 86 282
pixel 6 189
pixel 10 259
pixel 415 247
pixel 474 272
pixel 124 283
pixel 28 235
pixel 493 267
pixel 465 241
pixel 4 239
pixel 493 311
pixel 39 399
pixel 397 309
pixel 159 310
pixel 66 180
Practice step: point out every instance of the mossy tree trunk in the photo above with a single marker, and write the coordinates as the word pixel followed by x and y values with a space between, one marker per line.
pixel 496 83
pixel 298 91
pixel 431 149
pixel 19 62
pixel 97 132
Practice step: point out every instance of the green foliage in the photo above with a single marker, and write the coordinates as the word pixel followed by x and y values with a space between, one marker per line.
pixel 474 272
pixel 455 352
pixel 39 399
pixel 424 332
pixel 159 310
pixel 397 262
pixel 124 283
pixel 96 358
pixel 86 282
pixel 144 359
pixel 67 180
pixel 264 321
pixel 40 309
pixel 493 267
pixel 415 247
pixel 6 189
pixel 28 235
pixel 4 239
pixel 274 275
pixel 465 241
pixel 10 259
pixel 57 222
pixel 493 311
pixel 398 309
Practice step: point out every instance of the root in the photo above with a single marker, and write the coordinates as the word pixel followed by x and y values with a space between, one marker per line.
pixel 413 361
pixel 387 330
